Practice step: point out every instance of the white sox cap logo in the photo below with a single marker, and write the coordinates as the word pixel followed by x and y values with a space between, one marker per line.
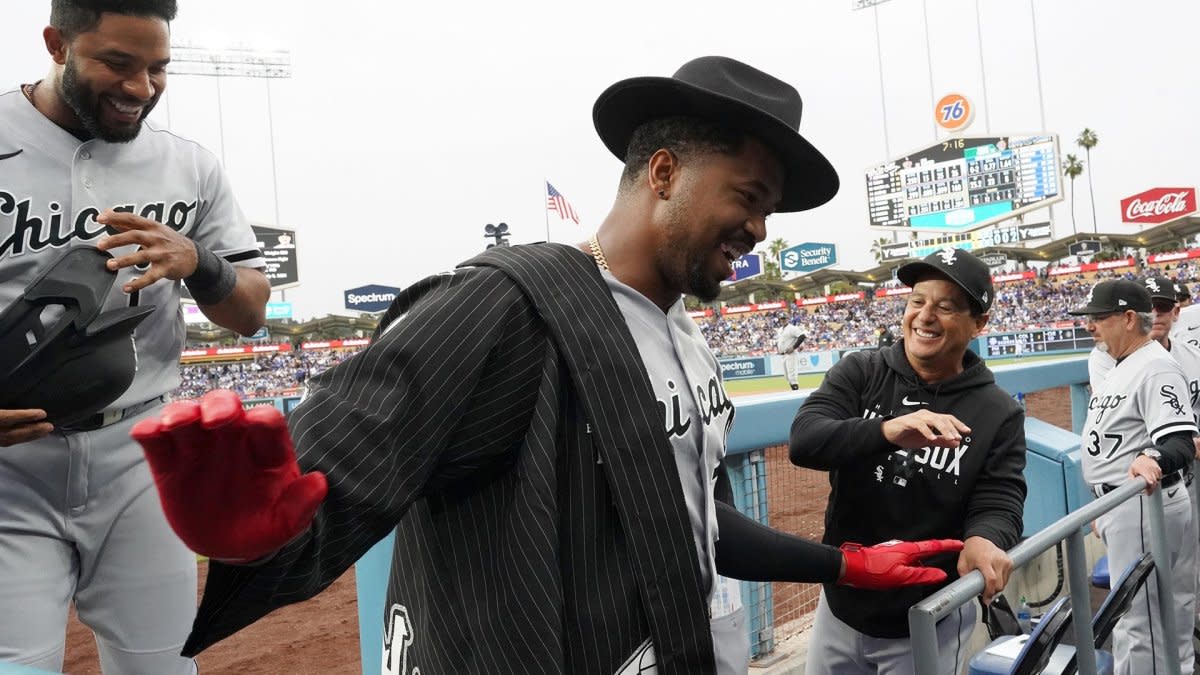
pixel 947 256
pixel 1152 284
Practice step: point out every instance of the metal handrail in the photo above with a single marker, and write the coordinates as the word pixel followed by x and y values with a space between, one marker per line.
pixel 923 616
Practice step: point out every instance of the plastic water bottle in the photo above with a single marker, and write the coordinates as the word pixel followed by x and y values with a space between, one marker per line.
pixel 1024 617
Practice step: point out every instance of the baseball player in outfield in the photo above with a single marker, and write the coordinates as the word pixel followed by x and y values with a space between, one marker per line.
pixel 1140 423
pixel 543 428
pixel 788 339
pixel 79 519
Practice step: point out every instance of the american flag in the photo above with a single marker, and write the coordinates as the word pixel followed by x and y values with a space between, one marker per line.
pixel 556 202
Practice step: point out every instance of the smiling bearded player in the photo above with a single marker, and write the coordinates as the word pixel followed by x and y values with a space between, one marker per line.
pixel 81 170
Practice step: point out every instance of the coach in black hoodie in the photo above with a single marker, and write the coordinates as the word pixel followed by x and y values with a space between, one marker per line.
pixel 919 442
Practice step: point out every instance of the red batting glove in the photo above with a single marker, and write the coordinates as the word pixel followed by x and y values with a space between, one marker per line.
pixel 227 477
pixel 893 564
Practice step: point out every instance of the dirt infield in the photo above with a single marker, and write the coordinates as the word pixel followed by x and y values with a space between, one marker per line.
pixel 318 636
pixel 321 635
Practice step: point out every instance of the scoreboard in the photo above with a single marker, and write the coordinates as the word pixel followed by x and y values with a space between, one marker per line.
pixel 965 183
pixel 1039 341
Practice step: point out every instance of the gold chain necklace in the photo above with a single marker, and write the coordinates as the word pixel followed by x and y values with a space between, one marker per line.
pixel 598 253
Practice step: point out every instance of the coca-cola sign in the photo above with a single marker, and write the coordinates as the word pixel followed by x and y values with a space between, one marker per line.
pixel 1159 205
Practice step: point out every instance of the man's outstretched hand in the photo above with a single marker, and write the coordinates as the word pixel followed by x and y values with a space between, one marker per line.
pixel 893 564
pixel 228 477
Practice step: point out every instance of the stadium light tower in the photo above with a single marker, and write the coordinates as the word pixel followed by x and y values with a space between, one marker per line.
pixel 234 61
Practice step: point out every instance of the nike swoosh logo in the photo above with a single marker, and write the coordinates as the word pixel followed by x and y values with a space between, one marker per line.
pixel 8 155
pixel 905 401
pixel 1172 492
pixel 1193 327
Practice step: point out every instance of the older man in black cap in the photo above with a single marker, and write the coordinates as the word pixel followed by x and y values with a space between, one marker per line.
pixel 543 427
pixel 1139 424
pixel 919 442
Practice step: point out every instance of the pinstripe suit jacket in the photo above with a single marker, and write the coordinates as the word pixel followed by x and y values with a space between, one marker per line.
pixel 503 423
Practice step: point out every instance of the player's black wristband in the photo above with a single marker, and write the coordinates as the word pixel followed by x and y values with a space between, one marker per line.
pixel 213 279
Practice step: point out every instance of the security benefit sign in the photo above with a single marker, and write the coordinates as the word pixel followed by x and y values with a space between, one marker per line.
pixel 370 298
pixel 746 267
pixel 278 247
pixel 809 257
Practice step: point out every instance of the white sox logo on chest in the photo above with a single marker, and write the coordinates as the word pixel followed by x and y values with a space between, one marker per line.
pixel 906 464
pixel 29 232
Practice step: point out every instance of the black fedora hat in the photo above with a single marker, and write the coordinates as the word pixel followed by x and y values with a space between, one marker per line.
pixel 720 89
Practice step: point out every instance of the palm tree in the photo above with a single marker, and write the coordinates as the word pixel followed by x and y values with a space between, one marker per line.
pixel 1072 167
pixel 1088 140
pixel 771 265
pixel 877 249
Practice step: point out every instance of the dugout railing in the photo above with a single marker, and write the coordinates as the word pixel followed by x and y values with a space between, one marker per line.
pixel 923 617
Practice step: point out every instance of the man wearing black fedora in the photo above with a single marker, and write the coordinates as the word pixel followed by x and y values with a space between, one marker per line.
pixel 542 428
pixel 919 442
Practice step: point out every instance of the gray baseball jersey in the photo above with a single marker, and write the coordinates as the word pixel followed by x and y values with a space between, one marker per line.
pixel 55 185
pixel 786 337
pixel 92 529
pixel 696 414
pixel 1187 326
pixel 1142 399
pixel 1099 363
pixel 1186 355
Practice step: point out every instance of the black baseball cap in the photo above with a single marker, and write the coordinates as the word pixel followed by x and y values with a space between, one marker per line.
pixel 1161 288
pixel 1115 295
pixel 959 266
pixel 1181 292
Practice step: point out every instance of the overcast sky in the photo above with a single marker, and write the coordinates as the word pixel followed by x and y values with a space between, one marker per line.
pixel 409 126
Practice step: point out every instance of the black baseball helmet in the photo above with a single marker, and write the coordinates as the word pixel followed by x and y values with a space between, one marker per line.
pixel 58 351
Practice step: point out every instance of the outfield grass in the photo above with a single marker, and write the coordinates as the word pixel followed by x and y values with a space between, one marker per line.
pixel 766 385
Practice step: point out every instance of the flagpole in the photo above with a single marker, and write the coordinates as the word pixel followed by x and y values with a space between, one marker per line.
pixel 545 202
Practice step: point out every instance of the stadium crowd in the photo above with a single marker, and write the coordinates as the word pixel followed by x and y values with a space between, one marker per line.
pixel 263 375
pixel 1019 305
pixel 1027 303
